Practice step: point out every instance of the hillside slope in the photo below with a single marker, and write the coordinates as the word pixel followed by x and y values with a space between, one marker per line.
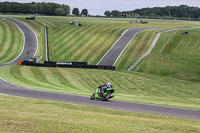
pixel 90 41
pixel 11 41
pixel 175 55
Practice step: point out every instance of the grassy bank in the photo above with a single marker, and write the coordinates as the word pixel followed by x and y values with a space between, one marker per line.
pixel 178 59
pixel 11 41
pixel 90 41
pixel 136 49
pixel 38 28
pixel 30 115
pixel 132 86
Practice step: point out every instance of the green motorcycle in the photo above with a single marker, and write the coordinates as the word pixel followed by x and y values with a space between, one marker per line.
pixel 105 96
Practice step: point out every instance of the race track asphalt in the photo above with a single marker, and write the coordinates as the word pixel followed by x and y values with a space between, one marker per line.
pixel 11 89
pixel 120 45
pixel 30 42
pixel 15 90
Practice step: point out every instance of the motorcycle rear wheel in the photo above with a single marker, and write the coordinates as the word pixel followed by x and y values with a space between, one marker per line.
pixel 106 97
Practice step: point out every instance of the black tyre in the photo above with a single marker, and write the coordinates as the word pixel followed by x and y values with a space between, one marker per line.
pixel 105 98
pixel 92 97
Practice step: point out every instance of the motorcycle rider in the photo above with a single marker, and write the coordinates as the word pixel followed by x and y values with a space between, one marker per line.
pixel 102 89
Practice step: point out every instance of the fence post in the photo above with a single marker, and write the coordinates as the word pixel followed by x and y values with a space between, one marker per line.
pixel 46 43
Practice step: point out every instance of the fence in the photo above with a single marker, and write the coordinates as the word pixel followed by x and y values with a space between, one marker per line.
pixel 68 65
pixel 46 43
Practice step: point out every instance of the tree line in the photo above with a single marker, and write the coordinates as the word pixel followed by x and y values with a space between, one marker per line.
pixel 40 8
pixel 182 11
pixel 34 8
pixel 76 12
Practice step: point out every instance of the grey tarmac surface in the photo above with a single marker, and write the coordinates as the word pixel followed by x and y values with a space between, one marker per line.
pixel 11 89
pixel 30 42
pixel 116 50
pixel 15 90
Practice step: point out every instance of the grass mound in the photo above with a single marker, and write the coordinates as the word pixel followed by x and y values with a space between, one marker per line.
pixel 175 55
pixel 11 41
pixel 136 49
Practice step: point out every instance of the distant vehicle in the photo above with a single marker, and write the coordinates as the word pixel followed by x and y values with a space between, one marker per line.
pixel 30 18
pixel 185 33
pixel 143 22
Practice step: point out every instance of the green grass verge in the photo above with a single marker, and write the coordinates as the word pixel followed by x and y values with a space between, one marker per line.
pixel 11 41
pixel 180 59
pixel 136 49
pixel 135 87
pixel 30 115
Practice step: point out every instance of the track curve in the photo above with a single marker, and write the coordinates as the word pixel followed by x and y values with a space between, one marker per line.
pixel 113 54
pixel 30 42
pixel 15 90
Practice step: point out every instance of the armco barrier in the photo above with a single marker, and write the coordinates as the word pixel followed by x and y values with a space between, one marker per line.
pixel 47 43
pixel 71 63
pixel 68 65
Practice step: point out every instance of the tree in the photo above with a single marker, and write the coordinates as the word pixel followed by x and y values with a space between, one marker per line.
pixel 84 12
pixel 182 11
pixel 40 8
pixel 60 12
pixel 66 8
pixel 75 11
pixel 115 13
pixel 107 13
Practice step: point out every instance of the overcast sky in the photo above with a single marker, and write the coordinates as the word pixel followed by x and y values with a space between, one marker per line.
pixel 98 7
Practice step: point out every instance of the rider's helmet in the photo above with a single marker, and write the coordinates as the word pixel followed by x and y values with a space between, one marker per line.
pixel 109 85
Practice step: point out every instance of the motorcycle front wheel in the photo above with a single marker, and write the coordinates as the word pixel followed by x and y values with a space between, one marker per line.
pixel 92 97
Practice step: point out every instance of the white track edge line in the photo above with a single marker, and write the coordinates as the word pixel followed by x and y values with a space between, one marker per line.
pixel 127 45
pixel 35 36
pixel 125 48
pixel 7 81
pixel 113 45
pixel 13 84
pixel 24 38
pixel 23 42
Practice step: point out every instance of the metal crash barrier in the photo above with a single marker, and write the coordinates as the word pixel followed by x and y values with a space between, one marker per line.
pixel 67 65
